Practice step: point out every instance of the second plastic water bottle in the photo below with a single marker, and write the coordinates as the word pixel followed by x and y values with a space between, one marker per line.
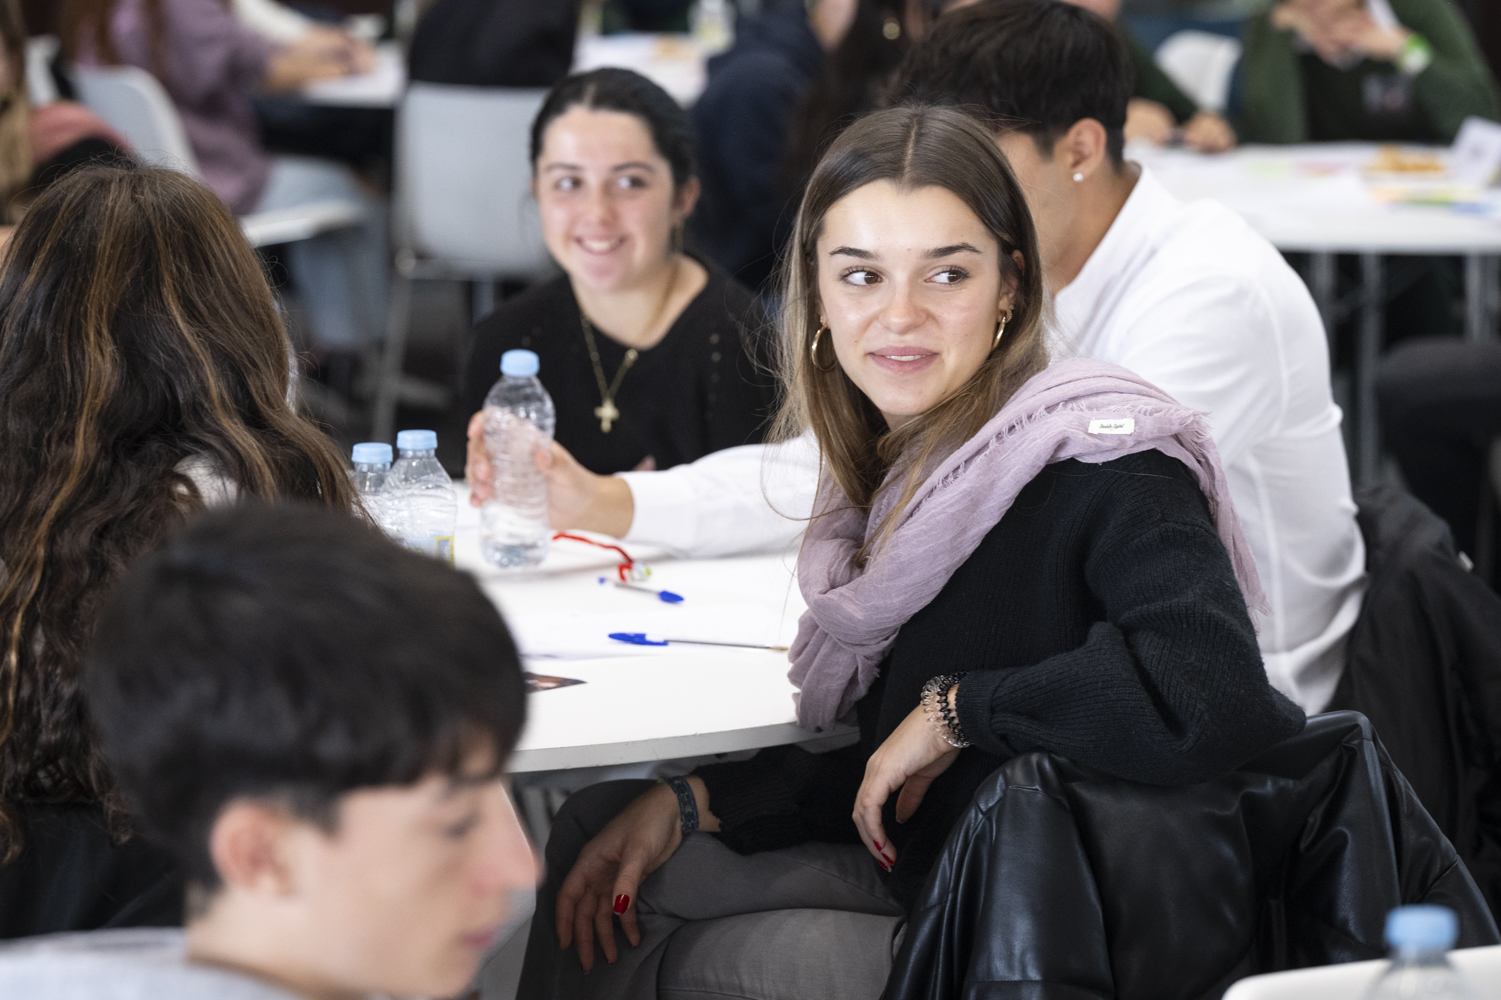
pixel 1419 936
pixel 519 419
pixel 372 473
pixel 429 506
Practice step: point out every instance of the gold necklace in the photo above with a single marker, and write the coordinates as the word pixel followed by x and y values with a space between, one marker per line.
pixel 606 411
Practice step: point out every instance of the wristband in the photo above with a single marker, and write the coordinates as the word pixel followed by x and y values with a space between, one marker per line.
pixel 687 803
pixel 1414 56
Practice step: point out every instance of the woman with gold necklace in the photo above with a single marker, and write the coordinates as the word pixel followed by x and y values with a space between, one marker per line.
pixel 646 350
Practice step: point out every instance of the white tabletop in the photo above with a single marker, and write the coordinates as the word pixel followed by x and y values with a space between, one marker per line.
pixel 379 89
pixel 1321 198
pixel 646 703
pixel 676 63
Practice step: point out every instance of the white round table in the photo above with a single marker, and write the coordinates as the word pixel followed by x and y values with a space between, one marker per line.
pixel 646 703
pixel 1316 199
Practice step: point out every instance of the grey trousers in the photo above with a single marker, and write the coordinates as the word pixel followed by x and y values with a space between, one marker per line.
pixel 813 921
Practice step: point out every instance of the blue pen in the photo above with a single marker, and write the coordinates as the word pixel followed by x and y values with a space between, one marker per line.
pixel 663 595
pixel 640 639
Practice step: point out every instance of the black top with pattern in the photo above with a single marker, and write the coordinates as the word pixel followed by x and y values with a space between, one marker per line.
pixel 697 391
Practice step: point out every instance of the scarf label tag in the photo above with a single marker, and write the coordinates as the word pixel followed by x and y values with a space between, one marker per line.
pixel 1115 425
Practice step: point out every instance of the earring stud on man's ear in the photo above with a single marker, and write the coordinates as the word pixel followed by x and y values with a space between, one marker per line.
pixel 1078 178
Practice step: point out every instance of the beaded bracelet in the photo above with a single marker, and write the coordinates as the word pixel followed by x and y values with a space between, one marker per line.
pixel 935 706
pixel 687 803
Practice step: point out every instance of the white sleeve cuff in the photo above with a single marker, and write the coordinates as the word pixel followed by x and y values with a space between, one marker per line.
pixel 666 510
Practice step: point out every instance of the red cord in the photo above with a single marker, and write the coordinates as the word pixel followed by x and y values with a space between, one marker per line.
pixel 623 569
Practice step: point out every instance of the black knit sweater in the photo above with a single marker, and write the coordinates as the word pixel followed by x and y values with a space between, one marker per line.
pixel 1100 620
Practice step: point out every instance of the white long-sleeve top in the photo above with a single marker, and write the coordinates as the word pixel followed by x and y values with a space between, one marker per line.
pixel 1195 301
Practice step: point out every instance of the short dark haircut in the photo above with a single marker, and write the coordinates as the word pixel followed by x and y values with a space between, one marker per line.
pixel 629 93
pixel 290 653
pixel 1036 65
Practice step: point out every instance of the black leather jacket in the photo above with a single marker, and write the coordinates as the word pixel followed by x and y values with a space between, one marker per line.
pixel 1061 882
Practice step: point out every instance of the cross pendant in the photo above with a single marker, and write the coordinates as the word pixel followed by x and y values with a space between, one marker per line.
pixel 607 414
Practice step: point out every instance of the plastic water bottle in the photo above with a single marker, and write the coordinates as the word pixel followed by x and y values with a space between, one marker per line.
pixel 519 419
pixel 1419 936
pixel 372 472
pixel 429 506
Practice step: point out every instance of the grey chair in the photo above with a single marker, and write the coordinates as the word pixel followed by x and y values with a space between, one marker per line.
pixel 464 212
pixel 135 104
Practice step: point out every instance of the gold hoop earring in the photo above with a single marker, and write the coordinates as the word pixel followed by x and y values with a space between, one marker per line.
pixel 1000 328
pixel 813 348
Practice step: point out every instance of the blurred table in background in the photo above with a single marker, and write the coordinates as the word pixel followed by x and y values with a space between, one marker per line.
pixel 676 63
pixel 380 89
pixel 1354 198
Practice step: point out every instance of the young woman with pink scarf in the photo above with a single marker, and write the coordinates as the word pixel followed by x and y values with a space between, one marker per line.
pixel 1006 555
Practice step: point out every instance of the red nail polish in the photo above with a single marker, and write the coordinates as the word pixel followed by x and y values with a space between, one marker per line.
pixel 622 901
pixel 889 859
pixel 879 845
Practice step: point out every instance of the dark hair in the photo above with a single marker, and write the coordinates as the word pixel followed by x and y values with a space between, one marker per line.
pixel 137 332
pixel 852 81
pixel 87 22
pixel 291 653
pixel 913 147
pixel 630 93
pixel 1037 65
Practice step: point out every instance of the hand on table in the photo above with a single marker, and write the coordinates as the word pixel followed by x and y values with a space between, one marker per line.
pixel 910 758
pixel 322 54
pixel 1207 132
pixel 610 868
pixel 1150 121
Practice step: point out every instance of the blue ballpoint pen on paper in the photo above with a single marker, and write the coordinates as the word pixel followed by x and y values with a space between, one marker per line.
pixel 640 639
pixel 662 595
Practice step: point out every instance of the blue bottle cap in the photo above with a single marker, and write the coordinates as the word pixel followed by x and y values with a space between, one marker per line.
pixel 1422 928
pixel 417 440
pixel 519 364
pixel 371 453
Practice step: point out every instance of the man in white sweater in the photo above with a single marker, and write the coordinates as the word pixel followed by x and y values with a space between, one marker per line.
pixel 1187 295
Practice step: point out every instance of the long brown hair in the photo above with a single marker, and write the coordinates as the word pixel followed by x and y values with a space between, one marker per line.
pixel 88 20
pixel 137 330
pixel 15 112
pixel 913 147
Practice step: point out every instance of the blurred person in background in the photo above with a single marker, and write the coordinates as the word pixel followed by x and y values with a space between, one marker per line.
pixel 494 43
pixel 744 120
pixel 1372 70
pixel 1159 108
pixel 143 375
pixel 39 144
pixel 647 350
pixel 210 66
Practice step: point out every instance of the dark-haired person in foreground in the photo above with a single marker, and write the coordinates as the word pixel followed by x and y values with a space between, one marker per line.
pixel 1186 295
pixel 315 723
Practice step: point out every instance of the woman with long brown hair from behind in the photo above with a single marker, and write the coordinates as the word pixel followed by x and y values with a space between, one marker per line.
pixel 144 374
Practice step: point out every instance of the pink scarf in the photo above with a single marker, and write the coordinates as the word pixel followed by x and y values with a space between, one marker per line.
pixel 1088 410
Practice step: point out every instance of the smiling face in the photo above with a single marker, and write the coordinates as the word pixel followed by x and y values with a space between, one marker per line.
pixel 608 203
pixel 409 892
pixel 909 282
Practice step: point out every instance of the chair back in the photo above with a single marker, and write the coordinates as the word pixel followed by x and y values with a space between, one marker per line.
pixel 1353 981
pixel 463 180
pixel 135 103
pixel 40 51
